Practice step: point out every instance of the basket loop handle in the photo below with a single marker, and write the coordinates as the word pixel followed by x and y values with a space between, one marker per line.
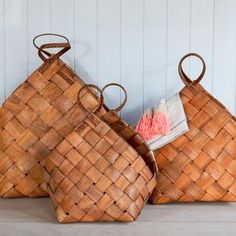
pixel 120 107
pixel 44 54
pixel 101 98
pixel 187 81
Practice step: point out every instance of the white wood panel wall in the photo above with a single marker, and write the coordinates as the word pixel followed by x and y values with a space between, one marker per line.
pixel 137 43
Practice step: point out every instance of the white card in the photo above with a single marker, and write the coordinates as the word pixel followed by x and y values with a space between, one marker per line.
pixel 178 123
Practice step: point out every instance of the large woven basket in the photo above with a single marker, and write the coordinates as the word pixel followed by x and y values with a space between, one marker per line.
pixel 201 164
pixel 94 174
pixel 34 119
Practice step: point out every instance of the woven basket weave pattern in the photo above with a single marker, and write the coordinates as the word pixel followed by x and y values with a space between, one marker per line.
pixel 132 138
pixel 95 175
pixel 200 165
pixel 34 119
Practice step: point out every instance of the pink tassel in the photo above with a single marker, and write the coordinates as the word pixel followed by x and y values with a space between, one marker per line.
pixel 144 125
pixel 154 123
pixel 160 122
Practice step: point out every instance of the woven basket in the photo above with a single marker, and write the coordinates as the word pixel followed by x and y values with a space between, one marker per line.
pixel 94 174
pixel 34 119
pixel 199 165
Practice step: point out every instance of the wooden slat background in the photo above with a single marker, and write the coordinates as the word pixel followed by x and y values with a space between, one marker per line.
pixel 134 42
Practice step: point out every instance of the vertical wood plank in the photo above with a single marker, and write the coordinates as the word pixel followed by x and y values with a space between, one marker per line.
pixel 38 22
pixel 225 53
pixel 109 48
pixel 132 57
pixel 62 22
pixel 136 42
pixel 16 43
pixel 178 41
pixel 202 30
pixel 85 20
pixel 2 52
pixel 155 19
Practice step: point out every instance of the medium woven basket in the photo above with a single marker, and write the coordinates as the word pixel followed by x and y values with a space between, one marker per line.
pixel 34 119
pixel 95 174
pixel 201 164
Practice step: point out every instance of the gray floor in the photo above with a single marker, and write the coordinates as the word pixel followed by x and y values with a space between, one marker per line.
pixel 23 217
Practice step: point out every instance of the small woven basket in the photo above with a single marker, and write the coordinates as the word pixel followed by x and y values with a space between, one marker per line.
pixel 94 174
pixel 34 119
pixel 201 164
